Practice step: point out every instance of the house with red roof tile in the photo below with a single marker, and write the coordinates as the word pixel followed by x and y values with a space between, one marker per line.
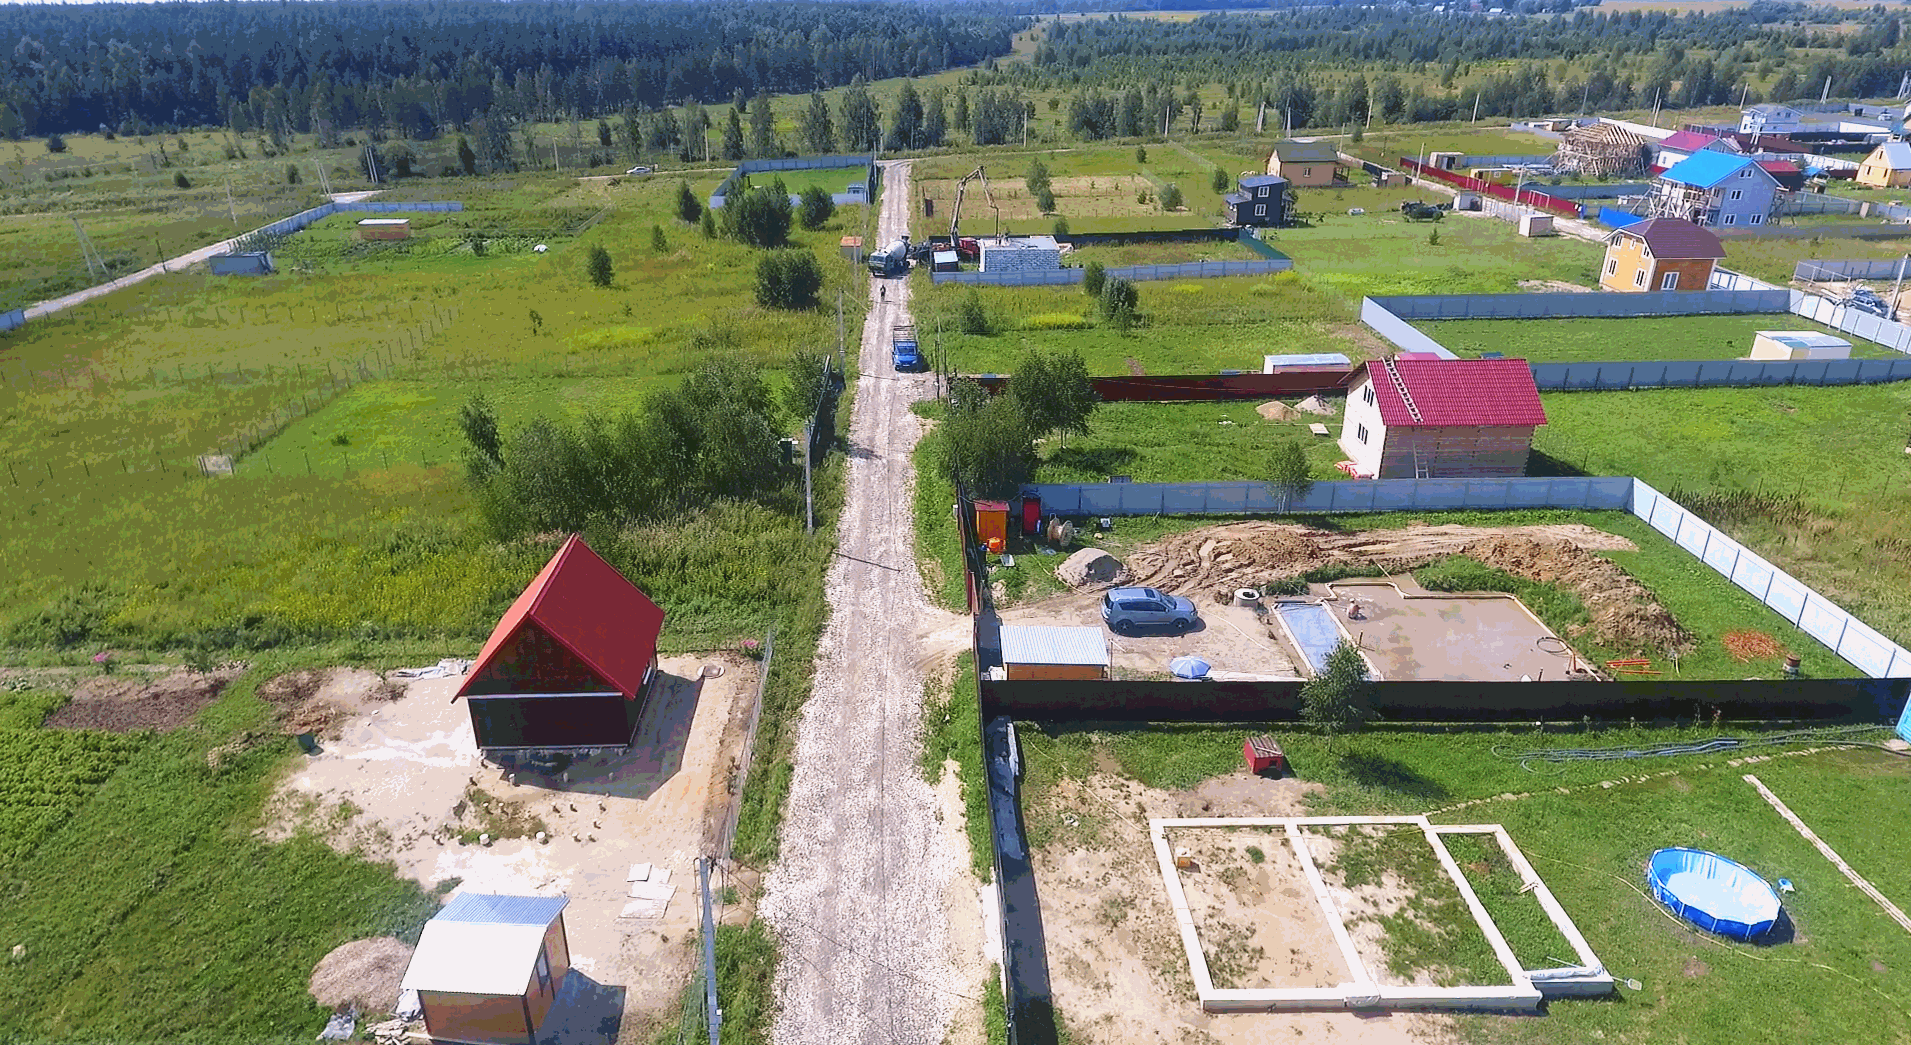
pixel 1415 417
pixel 570 665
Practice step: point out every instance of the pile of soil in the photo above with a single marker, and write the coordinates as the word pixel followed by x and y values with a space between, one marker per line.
pixel 120 704
pixel 1747 646
pixel 1277 411
pixel 1219 559
pixel 316 702
pixel 1316 405
pixel 1091 566
pixel 365 973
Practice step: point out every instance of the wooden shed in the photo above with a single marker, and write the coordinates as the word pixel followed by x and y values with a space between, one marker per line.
pixel 488 968
pixel 1041 653
pixel 384 228
pixel 570 665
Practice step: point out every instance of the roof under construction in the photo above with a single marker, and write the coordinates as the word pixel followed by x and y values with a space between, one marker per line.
pixel 1602 150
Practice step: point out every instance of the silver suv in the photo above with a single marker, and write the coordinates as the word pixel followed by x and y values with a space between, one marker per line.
pixel 1126 609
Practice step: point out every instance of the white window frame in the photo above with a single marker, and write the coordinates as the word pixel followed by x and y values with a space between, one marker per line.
pixel 1758 219
pixel 1745 172
pixel 1639 278
pixel 1730 219
pixel 1612 266
pixel 1360 433
pixel 1260 210
pixel 1737 194
pixel 1669 281
pixel 1307 172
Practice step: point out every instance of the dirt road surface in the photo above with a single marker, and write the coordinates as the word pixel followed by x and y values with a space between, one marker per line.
pixel 858 895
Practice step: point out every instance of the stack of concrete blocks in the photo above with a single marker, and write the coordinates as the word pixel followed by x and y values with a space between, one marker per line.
pixel 1022 254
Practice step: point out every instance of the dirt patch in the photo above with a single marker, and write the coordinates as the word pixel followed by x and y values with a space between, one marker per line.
pixel 1117 966
pixel 1259 924
pixel 1694 968
pixel 365 973
pixel 1277 411
pixel 1751 645
pixel 318 701
pixel 1219 559
pixel 1553 285
pixel 123 705
pixel 1368 344
pixel 1135 369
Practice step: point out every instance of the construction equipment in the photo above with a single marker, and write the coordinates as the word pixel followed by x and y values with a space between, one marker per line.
pixel 968 248
pixel 892 260
pixel 902 347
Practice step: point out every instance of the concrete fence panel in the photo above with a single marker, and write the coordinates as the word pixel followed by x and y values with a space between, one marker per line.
pixel 1395 328
pixel 1845 270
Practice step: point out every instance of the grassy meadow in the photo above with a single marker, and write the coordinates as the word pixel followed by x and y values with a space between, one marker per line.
pixel 1589 841
pixel 1618 340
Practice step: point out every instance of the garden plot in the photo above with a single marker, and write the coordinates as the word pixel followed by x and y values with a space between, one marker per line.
pixel 405 783
pixel 1407 925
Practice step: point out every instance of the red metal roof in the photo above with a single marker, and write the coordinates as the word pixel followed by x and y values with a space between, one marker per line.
pixel 579 623
pixel 1457 393
pixel 1689 141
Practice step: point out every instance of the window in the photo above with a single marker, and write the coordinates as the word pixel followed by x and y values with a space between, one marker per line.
pixel 1360 433
pixel 1612 266
pixel 1669 281
pixel 1737 194
pixel 1260 210
pixel 1367 395
pixel 1758 219
pixel 543 972
pixel 1261 192
pixel 1745 171
pixel 1731 219
pixel 1639 278
pixel 1307 172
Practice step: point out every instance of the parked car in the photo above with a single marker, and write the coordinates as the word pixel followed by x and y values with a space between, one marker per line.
pixel 641 169
pixel 1126 609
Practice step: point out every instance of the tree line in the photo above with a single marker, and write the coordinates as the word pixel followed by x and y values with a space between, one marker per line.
pixel 418 67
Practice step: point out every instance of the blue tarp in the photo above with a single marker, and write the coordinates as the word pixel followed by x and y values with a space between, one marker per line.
pixel 1617 218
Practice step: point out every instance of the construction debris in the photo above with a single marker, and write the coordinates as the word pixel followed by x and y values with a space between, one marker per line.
pixel 1602 151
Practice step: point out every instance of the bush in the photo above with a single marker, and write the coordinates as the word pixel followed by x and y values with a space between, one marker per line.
pixel 55 143
pixel 688 206
pixel 1061 228
pixel 1171 197
pixel 1094 277
pixel 599 267
pixel 291 174
pixel 1045 201
pixel 971 317
pixel 1220 180
pixel 708 225
pixel 180 180
pixel 1119 302
pixel 788 279
pixel 658 244
pixel 817 208
pixel 759 216
pixel 1055 321
pixel 1141 154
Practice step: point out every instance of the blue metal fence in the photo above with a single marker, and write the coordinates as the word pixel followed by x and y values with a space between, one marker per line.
pixel 1736 373
pixel 1573 305
pixel 802 163
pixel 13 319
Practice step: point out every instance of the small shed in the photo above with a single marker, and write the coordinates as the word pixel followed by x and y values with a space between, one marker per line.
pixel 1536 225
pixel 1799 344
pixel 569 667
pixel 254 263
pixel 1046 653
pixel 992 524
pixel 1282 364
pixel 488 968
pixel 945 261
pixel 1021 254
pixel 852 247
pixel 384 228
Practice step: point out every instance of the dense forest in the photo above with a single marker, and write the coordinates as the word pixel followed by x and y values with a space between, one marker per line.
pixel 1335 65
pixel 421 66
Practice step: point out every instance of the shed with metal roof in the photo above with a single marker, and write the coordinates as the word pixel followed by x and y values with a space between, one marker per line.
pixel 570 665
pixel 488 968
pixel 1047 653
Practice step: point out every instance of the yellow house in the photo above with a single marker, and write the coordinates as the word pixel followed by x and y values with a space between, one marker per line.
pixel 1888 167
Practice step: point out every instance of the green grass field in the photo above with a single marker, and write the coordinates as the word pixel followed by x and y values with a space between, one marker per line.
pixel 1619 340
pixel 833 180
pixel 1590 844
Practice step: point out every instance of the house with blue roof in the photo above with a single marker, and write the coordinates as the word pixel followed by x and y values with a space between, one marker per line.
pixel 1261 201
pixel 1716 190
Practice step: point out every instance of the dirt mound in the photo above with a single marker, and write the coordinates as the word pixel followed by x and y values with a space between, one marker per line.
pixel 1091 566
pixel 365 973
pixel 121 704
pixel 1219 559
pixel 1751 645
pixel 316 701
pixel 1277 411
pixel 1316 405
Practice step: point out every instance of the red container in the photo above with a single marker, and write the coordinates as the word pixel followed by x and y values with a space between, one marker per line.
pixel 1264 755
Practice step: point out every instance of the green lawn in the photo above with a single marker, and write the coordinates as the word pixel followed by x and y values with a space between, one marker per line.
pixel 1773 259
pixel 1619 340
pixel 833 180
pixel 1590 844
pixel 1113 255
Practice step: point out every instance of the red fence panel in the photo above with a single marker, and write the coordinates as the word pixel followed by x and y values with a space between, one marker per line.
pixel 1525 197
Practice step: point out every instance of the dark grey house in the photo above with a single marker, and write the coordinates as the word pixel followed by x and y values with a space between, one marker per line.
pixel 1261 200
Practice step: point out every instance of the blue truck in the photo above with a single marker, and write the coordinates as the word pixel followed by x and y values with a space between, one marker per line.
pixel 902 347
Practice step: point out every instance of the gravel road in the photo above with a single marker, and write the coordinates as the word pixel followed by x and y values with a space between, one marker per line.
pixel 858 894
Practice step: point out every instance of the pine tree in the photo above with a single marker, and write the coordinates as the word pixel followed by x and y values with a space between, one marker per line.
pixel 733 136
pixel 819 137
pixel 763 141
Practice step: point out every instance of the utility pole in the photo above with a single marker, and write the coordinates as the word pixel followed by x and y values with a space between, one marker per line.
pixel 231 208
pixel 1476 107
pixel 1897 286
pixel 713 1014
pixel 809 501
pixel 841 368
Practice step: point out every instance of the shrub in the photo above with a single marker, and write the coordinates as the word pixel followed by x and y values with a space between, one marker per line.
pixel 1220 180
pixel 1141 154
pixel 180 180
pixel 971 317
pixel 1045 201
pixel 1061 228
pixel 55 143
pixel 658 244
pixel 689 208
pixel 788 279
pixel 291 174
pixel 1119 302
pixel 1094 276
pixel 759 216
pixel 599 267
pixel 817 207
pixel 708 225
pixel 1171 197
pixel 1055 321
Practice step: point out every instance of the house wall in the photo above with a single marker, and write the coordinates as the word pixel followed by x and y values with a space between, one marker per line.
pixel 554 722
pixel 485 1019
pixel 557 951
pixel 1879 175
pixel 1053 672
pixel 1756 189
pixel 1302 174
pixel 1458 452
pixel 1362 412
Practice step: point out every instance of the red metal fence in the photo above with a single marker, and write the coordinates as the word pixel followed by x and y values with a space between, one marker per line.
pixel 1524 197
pixel 1299 381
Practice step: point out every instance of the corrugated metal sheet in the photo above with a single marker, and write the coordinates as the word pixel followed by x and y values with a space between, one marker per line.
pixel 1038 644
pixel 474 958
pixel 491 909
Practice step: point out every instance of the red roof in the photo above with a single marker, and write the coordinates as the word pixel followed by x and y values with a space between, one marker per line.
pixel 1688 141
pixel 579 627
pixel 1457 393
pixel 1780 166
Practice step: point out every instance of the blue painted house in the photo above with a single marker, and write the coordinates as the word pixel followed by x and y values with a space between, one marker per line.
pixel 1716 190
pixel 1261 201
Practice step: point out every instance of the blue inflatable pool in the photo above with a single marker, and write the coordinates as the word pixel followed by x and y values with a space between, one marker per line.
pixel 1712 892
